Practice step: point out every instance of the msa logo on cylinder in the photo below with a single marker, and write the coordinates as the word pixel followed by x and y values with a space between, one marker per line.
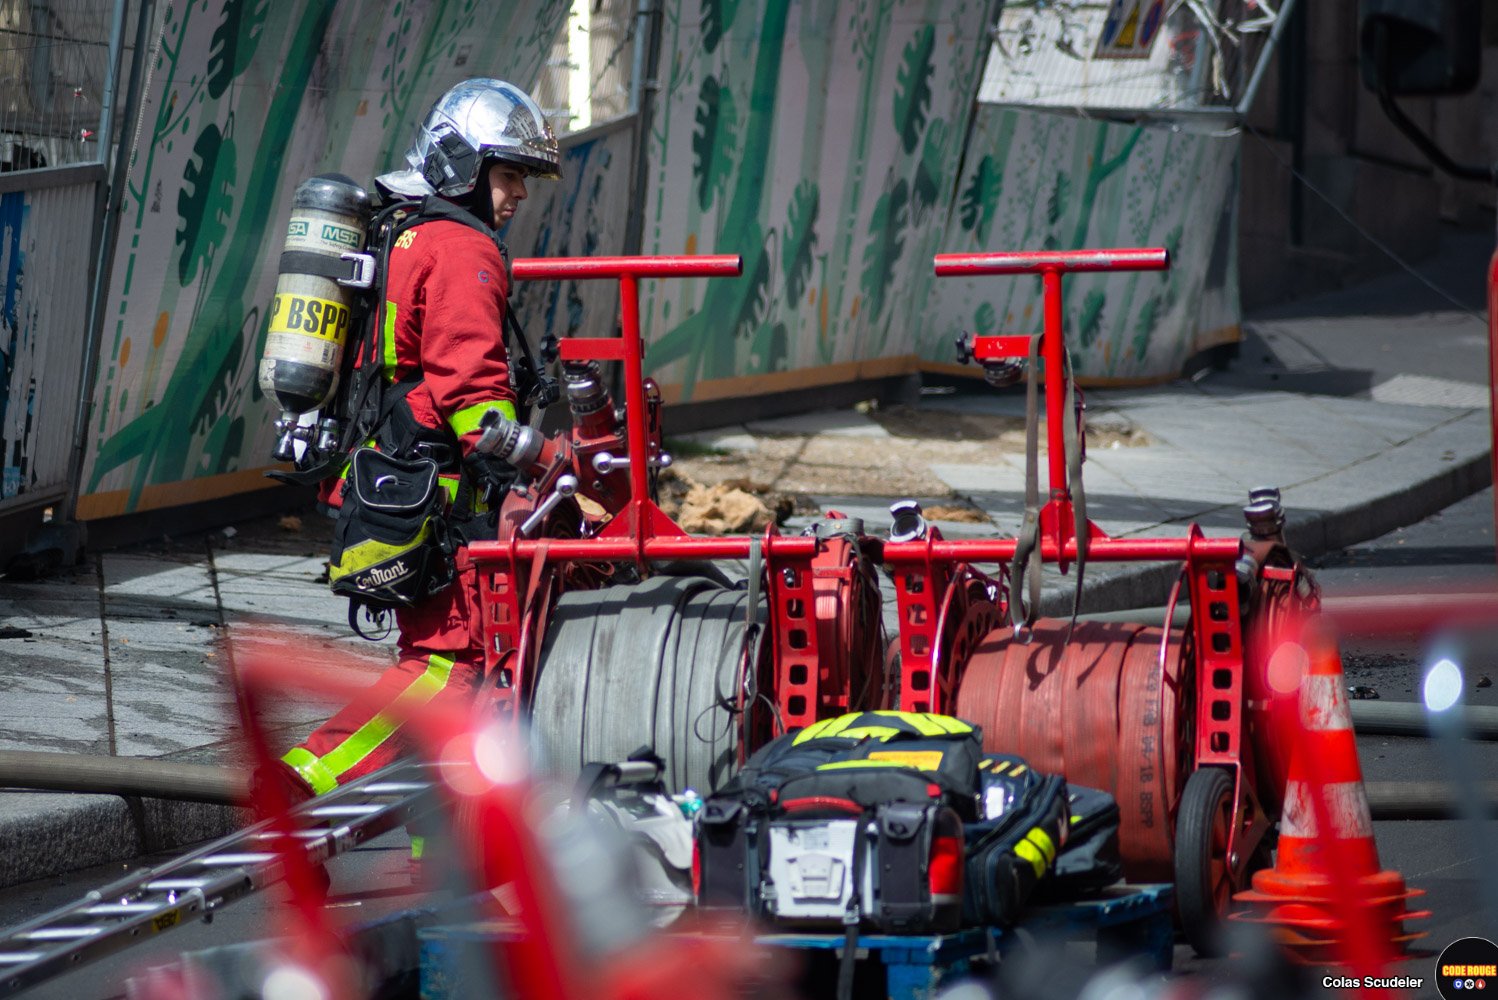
pixel 342 234
pixel 314 317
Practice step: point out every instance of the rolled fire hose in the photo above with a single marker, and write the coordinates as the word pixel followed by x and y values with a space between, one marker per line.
pixel 652 664
pixel 66 772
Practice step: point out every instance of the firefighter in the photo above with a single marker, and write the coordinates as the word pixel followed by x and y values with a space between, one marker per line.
pixel 443 344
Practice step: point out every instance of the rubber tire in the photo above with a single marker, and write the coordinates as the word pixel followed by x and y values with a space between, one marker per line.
pixel 1208 795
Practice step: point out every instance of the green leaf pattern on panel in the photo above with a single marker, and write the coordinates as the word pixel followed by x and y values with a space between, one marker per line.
pixel 922 193
pixel 886 241
pixel 913 88
pixel 205 202
pixel 713 143
pixel 717 18
pixel 1055 204
pixel 980 199
pixel 800 239
pixel 986 319
pixel 1144 327
pixel 755 303
pixel 234 42
pixel 1090 323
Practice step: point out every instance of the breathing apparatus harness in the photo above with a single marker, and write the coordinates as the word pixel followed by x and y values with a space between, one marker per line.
pixel 397 533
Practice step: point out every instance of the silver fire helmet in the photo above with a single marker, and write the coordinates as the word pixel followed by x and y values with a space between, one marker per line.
pixel 475 121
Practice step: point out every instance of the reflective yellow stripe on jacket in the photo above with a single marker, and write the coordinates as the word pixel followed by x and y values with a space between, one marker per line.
pixel 467 419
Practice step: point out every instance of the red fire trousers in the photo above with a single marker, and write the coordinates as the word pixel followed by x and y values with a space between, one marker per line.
pixel 441 647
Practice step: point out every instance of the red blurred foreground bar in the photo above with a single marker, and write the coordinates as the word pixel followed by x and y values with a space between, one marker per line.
pixel 686 266
pixel 1028 262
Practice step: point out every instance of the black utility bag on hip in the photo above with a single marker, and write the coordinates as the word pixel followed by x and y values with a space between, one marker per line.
pixel 390 545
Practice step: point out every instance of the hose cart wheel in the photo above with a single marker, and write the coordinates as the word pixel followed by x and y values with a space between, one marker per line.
pixel 665 664
pixel 1204 878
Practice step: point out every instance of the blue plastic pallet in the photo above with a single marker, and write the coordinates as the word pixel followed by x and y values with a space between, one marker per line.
pixel 1128 920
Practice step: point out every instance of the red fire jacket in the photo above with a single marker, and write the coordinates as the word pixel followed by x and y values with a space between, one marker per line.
pixel 443 314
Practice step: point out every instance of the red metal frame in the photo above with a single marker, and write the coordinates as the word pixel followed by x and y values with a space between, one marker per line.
pixel 641 532
pixel 1050 265
pixel 1209 563
pixel 923 569
pixel 641 518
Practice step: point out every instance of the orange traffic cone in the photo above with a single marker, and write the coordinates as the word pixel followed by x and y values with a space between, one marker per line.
pixel 1326 897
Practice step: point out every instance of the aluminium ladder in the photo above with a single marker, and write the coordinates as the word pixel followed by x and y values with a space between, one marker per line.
pixel 205 880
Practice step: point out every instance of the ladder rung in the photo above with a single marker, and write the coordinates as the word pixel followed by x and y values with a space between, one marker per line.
pixel 352 810
pixel 237 859
pixel 298 834
pixel 173 884
pixel 19 957
pixel 62 933
pixel 389 787
pixel 107 909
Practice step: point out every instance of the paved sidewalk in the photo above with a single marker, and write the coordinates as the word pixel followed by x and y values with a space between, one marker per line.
pixel 125 654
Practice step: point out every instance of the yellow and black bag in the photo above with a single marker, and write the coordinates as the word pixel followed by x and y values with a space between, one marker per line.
pixel 390 546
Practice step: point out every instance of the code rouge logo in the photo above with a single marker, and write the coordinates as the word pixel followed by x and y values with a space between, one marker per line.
pixel 1467 968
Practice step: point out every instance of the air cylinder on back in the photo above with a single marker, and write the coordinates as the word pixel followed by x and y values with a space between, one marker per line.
pixel 312 310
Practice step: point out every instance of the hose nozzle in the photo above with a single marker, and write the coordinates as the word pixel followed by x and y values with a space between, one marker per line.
pixel 509 441
pixel 909 523
pixel 1264 513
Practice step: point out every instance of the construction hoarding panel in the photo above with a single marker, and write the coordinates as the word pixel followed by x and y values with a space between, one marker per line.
pixel 819 140
pixel 1040 181
pixel 46 246
pixel 245 100
pixel 825 143
pixel 825 140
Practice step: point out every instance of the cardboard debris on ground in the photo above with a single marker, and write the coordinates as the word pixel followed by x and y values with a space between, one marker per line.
pixel 961 515
pixel 722 510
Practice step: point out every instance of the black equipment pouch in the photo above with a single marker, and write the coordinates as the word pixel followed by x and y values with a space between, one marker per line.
pixel 871 757
pixel 1090 860
pixel 731 853
pixel 1013 849
pixel 390 546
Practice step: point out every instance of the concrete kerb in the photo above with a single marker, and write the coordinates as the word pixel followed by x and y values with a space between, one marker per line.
pixel 45 834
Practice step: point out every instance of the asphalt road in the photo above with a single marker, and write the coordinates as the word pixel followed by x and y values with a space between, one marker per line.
pixel 1454 862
